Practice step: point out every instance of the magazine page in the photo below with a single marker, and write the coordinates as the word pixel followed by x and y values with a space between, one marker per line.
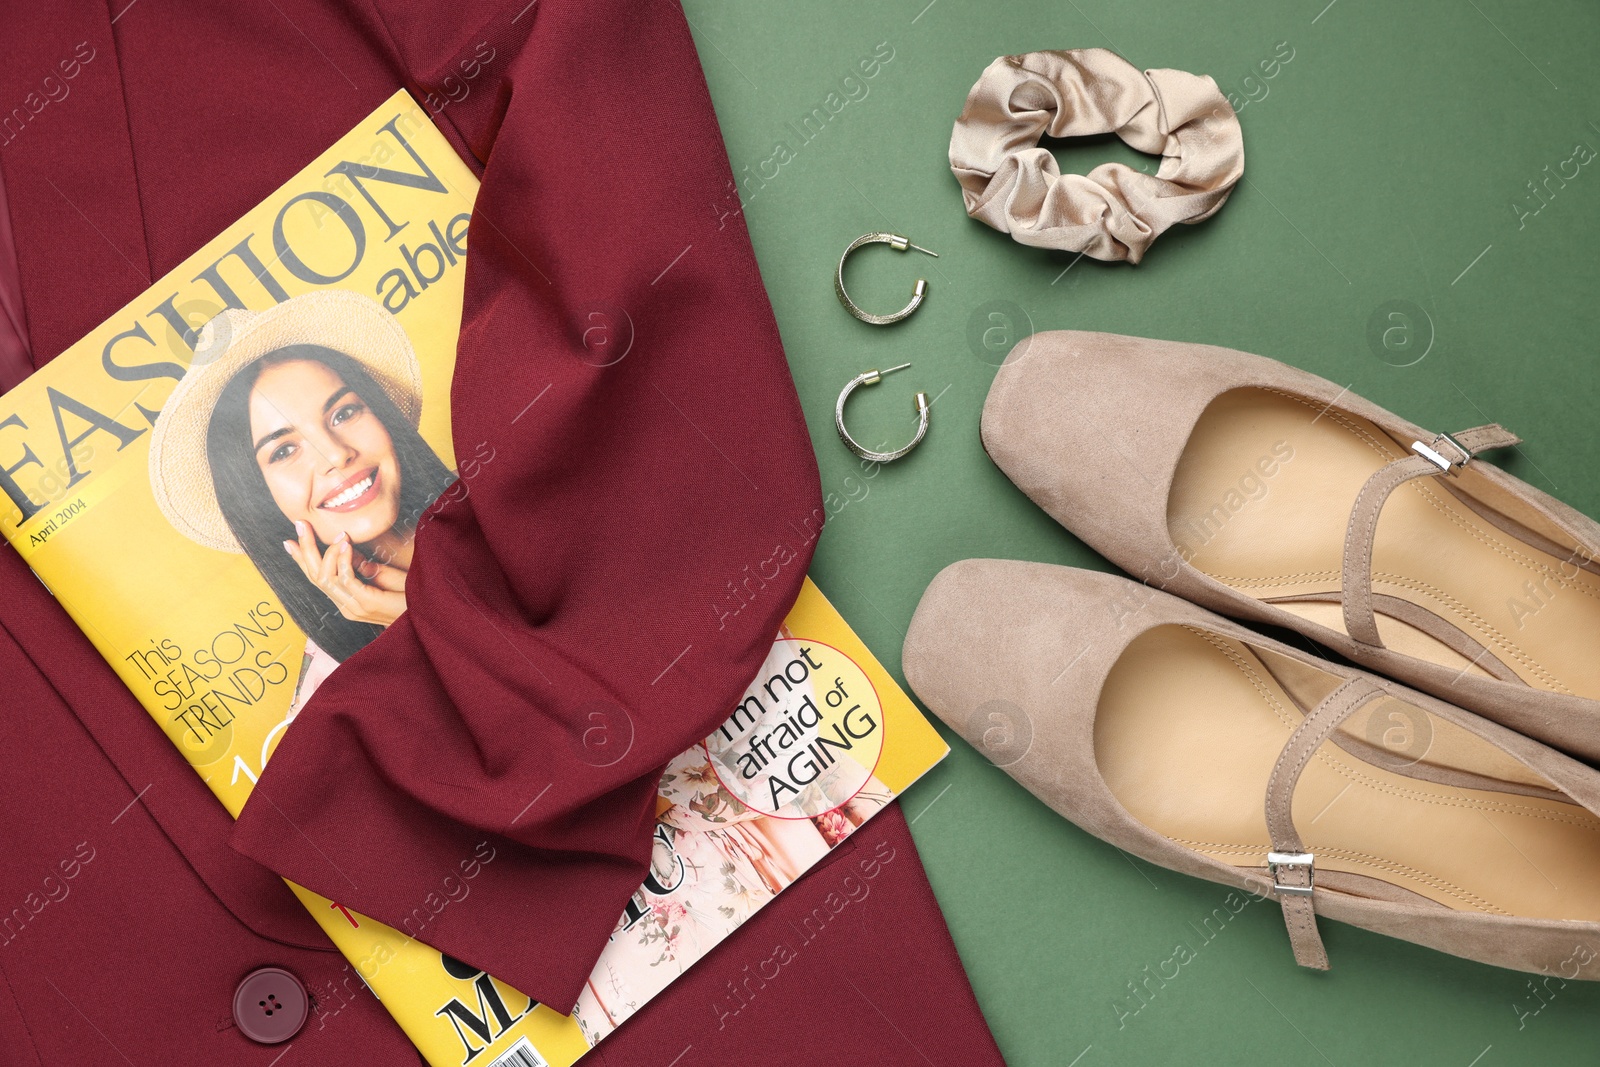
pixel 130 464
pixel 159 477
pixel 820 742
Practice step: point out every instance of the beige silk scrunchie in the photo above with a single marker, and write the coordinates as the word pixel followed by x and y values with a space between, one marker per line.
pixel 1113 212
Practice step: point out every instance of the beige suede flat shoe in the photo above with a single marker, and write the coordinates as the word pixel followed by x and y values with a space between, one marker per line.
pixel 1266 493
pixel 1186 739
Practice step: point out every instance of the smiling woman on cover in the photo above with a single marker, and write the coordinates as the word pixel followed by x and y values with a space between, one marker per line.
pixel 297 445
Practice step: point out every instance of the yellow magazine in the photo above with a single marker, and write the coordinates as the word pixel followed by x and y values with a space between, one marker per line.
pixel 137 468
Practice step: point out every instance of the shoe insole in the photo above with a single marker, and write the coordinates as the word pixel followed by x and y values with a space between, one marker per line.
pixel 1190 724
pixel 1261 501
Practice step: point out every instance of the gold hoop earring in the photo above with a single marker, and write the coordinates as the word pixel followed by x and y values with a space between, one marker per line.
pixel 873 377
pixel 899 244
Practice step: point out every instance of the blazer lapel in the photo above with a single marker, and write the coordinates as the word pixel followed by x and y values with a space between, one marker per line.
pixel 82 254
pixel 168 790
pixel 69 171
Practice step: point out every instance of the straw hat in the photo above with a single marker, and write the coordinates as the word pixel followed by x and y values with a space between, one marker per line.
pixel 180 475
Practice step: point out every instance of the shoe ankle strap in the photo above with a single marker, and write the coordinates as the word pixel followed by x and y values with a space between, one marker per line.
pixel 1291 866
pixel 1445 454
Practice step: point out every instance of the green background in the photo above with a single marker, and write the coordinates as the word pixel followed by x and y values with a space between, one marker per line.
pixel 1383 161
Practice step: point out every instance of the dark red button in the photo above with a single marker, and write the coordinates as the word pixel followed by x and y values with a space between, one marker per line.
pixel 270 1005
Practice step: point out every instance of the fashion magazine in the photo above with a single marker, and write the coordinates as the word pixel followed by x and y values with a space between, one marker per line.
pixel 167 480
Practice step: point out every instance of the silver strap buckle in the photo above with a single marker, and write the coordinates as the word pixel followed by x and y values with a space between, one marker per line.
pixel 1279 860
pixel 1433 452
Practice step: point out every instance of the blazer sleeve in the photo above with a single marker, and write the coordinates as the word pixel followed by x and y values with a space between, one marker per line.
pixel 636 507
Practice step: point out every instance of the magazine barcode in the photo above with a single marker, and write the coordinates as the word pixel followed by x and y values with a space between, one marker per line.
pixel 521 1054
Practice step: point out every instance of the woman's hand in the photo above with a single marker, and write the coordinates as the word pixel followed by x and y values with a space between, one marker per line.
pixel 362 589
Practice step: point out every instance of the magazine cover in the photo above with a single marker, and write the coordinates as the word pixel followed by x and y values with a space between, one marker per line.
pixel 160 477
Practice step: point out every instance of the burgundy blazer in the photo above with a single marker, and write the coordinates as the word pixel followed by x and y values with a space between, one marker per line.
pixel 589 570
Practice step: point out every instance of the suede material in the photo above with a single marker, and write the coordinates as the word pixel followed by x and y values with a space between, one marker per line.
pixel 1037 642
pixel 1091 426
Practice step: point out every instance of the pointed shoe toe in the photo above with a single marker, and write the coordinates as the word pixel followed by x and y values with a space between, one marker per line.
pixel 1270 494
pixel 1201 746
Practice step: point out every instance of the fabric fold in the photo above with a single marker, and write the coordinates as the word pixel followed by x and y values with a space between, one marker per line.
pixel 568 626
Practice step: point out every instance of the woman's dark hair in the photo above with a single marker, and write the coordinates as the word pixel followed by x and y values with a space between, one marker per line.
pixel 261 527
